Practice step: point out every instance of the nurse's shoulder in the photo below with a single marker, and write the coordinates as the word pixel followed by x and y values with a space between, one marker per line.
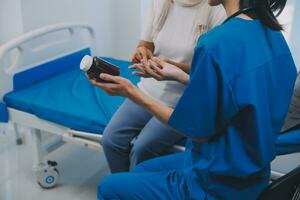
pixel 228 33
pixel 242 34
pixel 223 44
pixel 240 46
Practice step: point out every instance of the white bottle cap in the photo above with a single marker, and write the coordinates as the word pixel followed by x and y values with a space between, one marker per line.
pixel 86 63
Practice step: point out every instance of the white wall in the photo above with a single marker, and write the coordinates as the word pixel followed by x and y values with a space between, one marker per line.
pixel 292 28
pixel 144 10
pixel 144 7
pixel 116 22
pixel 286 18
pixel 127 27
pixel 295 34
pixel 38 13
pixel 10 20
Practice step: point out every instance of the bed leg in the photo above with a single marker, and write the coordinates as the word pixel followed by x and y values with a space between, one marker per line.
pixel 46 174
pixel 19 140
pixel 37 148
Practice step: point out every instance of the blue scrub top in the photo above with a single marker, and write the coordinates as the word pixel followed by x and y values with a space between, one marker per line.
pixel 242 79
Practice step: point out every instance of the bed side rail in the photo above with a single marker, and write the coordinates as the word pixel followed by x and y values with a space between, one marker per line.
pixel 40 46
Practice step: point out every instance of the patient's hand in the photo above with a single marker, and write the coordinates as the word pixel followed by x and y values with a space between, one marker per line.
pixel 142 54
pixel 117 85
pixel 161 70
pixel 143 70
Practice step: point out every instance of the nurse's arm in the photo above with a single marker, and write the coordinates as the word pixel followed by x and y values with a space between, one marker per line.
pixel 159 110
pixel 123 87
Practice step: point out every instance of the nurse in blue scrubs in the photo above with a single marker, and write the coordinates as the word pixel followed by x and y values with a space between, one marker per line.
pixel 232 111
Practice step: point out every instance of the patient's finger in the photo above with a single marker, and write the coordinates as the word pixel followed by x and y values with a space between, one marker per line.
pixel 156 59
pixel 139 56
pixel 133 66
pixel 144 54
pixel 153 66
pixel 134 59
pixel 158 62
pixel 153 63
pixel 139 67
pixel 152 73
pixel 150 54
pixel 140 74
pixel 157 70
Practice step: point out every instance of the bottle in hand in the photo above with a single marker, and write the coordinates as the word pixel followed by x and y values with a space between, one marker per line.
pixel 94 66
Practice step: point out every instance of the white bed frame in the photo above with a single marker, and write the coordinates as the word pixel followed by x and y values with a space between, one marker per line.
pixel 26 55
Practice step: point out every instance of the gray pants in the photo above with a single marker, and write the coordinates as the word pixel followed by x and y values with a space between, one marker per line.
pixel 134 135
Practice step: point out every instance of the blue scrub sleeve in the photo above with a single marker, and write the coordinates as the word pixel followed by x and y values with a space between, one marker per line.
pixel 207 104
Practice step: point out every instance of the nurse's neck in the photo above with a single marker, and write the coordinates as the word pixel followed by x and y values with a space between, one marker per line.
pixel 233 6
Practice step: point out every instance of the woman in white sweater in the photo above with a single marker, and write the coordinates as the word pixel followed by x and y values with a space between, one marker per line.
pixel 170 33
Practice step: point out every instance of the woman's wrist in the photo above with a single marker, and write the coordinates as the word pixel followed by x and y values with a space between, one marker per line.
pixel 184 78
pixel 147 45
pixel 138 97
pixel 182 66
pixel 135 95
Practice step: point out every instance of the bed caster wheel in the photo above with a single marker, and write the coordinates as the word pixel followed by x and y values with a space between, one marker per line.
pixel 48 177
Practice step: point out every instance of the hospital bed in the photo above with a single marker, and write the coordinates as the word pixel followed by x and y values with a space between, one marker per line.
pixel 42 88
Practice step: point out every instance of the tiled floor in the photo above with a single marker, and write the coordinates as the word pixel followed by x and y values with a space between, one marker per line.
pixel 80 169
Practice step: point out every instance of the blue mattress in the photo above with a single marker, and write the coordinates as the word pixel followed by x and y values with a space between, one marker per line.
pixel 69 99
pixel 59 92
pixel 288 142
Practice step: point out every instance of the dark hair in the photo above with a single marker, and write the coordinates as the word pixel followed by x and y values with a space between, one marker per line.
pixel 266 11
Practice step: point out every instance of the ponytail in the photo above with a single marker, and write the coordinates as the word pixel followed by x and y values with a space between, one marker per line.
pixel 266 11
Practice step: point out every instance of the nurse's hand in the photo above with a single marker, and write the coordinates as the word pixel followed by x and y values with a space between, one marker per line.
pixel 117 85
pixel 162 70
